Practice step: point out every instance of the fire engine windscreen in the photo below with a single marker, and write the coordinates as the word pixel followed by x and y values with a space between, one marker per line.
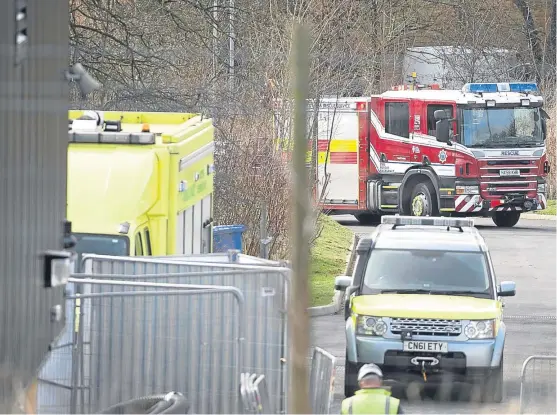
pixel 434 272
pixel 501 127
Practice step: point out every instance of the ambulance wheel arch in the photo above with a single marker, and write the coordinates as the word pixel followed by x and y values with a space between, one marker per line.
pixel 419 187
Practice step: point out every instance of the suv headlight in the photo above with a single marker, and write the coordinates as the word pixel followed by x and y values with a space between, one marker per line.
pixel 370 326
pixel 480 329
pixel 541 187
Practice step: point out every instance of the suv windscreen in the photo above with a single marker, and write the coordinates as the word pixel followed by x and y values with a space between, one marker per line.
pixel 432 272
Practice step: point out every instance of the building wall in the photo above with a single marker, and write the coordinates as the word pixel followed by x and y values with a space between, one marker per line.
pixel 33 148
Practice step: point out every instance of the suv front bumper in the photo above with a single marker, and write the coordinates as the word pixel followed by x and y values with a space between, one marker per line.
pixel 467 361
pixel 474 353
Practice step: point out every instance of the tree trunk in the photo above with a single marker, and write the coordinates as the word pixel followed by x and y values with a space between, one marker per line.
pixel 532 36
pixel 551 40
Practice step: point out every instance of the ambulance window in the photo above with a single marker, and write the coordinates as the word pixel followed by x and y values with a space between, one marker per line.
pixel 431 118
pixel 147 242
pixel 397 118
pixel 138 245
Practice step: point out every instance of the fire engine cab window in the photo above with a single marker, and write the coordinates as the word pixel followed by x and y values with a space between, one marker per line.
pixel 431 118
pixel 397 118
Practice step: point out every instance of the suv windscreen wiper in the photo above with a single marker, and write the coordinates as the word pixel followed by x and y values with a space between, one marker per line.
pixel 461 292
pixel 407 291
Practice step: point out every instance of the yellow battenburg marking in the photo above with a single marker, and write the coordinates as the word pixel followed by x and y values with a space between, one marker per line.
pixel 343 146
pixel 335 146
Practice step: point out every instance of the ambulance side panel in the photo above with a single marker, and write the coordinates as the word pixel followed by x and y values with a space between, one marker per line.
pixel 191 192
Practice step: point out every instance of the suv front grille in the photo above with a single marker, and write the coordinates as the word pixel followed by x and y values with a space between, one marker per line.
pixel 426 326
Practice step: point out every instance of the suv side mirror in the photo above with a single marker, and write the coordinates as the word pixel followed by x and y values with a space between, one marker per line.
pixel 506 289
pixel 342 282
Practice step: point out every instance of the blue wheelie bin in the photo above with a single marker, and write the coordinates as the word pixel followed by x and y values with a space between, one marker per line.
pixel 227 237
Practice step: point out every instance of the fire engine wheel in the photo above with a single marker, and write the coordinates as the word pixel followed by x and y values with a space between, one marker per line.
pixel 422 202
pixel 506 219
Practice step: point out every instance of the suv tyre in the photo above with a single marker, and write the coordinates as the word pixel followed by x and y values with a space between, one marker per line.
pixel 350 378
pixel 493 391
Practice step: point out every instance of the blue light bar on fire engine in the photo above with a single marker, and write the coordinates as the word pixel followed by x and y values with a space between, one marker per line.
pixel 426 221
pixel 477 88
pixel 483 88
pixel 523 87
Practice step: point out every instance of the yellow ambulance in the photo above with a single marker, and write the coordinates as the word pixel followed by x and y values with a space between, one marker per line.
pixel 140 183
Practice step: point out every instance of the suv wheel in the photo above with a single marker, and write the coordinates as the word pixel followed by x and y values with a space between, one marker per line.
pixel 506 219
pixel 493 391
pixel 422 200
pixel 350 378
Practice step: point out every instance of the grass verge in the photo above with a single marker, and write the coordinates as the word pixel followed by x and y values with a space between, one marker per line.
pixel 328 259
pixel 549 210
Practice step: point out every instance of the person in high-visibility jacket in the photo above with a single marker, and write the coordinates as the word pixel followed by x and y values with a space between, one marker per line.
pixel 372 398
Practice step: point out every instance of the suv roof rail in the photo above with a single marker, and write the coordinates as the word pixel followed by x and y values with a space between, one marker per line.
pixel 427 221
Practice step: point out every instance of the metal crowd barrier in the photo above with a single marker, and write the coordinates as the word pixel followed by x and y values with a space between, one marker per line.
pixel 255 395
pixel 322 378
pixel 538 385
pixel 140 326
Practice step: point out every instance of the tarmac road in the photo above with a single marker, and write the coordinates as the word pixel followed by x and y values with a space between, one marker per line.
pixel 524 254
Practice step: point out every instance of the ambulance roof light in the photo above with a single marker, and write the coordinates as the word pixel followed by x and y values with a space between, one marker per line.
pixel 111 137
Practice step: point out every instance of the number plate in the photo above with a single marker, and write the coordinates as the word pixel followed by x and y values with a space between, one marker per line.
pixel 420 346
pixel 509 172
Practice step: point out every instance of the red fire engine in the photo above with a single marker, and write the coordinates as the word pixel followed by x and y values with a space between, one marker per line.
pixel 479 151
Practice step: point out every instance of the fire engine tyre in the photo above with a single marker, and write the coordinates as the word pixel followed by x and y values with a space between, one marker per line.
pixel 506 219
pixel 422 200
pixel 350 378
pixel 368 218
